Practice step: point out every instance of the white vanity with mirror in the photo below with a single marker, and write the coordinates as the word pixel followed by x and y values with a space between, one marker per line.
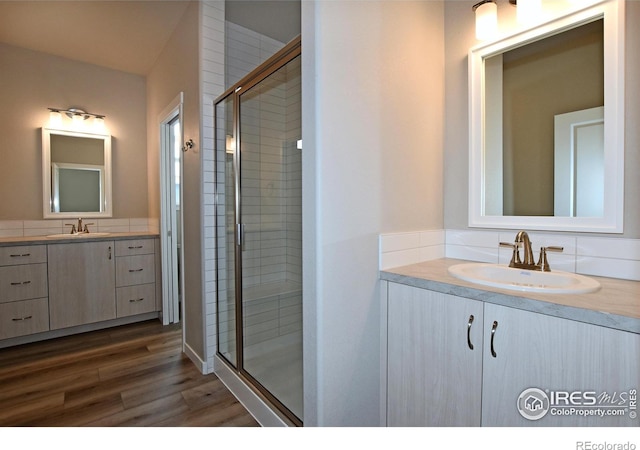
pixel 546 149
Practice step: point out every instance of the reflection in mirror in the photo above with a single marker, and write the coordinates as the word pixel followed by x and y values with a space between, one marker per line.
pixel 76 174
pixel 546 125
pixel 556 75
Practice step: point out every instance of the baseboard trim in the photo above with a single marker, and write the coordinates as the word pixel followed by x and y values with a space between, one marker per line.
pixel 195 359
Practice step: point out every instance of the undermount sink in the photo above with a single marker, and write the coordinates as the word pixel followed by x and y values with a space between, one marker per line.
pixel 555 282
pixel 77 235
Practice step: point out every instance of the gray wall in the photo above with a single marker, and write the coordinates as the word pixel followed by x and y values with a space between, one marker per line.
pixel 34 81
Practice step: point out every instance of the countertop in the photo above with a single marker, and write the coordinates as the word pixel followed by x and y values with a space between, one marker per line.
pixel 33 240
pixel 616 305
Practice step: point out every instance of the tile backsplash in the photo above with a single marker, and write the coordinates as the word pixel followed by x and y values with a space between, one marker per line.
pixel 27 228
pixel 598 256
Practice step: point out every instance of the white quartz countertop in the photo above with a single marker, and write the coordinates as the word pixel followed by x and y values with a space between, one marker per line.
pixel 616 305
pixel 31 240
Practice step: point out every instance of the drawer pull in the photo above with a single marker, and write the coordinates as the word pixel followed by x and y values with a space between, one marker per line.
pixel 21 319
pixel 20 255
pixel 20 283
pixel 136 300
pixel 135 247
pixel 136 270
pixel 469 332
pixel 494 327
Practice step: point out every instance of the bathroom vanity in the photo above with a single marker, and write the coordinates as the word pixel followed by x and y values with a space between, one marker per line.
pixel 51 287
pixel 460 354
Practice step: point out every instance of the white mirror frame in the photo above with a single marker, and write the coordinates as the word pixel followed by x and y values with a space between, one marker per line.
pixel 612 11
pixel 107 209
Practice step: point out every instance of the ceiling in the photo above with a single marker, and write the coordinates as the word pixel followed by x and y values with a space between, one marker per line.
pixel 125 35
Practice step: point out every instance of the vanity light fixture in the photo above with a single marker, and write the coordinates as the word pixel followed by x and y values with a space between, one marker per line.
pixel 529 12
pixel 77 116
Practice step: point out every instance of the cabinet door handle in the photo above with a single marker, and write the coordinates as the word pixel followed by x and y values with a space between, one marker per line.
pixel 109 253
pixel 136 270
pixel 135 247
pixel 20 283
pixel 20 255
pixel 493 333
pixel 469 332
pixel 21 319
pixel 136 300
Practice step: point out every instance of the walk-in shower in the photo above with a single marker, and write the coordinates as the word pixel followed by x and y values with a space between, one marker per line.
pixel 259 229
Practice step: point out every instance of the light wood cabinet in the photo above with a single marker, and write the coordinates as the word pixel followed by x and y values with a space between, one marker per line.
pixel 24 317
pixel 67 287
pixel 434 358
pixel 433 380
pixel 135 277
pixel 23 291
pixel 81 283
pixel 562 358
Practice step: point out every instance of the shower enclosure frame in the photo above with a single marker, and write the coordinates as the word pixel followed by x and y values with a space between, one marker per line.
pixel 276 62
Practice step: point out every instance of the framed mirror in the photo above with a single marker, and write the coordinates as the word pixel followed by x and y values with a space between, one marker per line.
pixel 76 174
pixel 547 125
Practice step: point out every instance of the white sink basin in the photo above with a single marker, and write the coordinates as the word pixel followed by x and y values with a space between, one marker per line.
pixel 76 236
pixel 555 282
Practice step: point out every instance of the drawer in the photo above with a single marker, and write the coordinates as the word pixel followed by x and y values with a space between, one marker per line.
pixel 132 300
pixel 135 247
pixel 24 317
pixel 23 282
pixel 139 269
pixel 23 254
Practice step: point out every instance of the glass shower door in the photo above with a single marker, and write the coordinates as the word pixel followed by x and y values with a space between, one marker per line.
pixel 271 228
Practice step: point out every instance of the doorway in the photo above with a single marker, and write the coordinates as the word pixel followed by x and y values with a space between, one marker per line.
pixel 171 216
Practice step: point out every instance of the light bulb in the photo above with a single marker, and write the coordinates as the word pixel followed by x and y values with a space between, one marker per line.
pixel 486 21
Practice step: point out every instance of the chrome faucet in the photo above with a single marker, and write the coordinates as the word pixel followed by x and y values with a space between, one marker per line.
pixel 522 239
pixel 80 230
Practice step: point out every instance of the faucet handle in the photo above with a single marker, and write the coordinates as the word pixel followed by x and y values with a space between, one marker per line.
pixel 73 227
pixel 542 260
pixel 515 257
pixel 86 229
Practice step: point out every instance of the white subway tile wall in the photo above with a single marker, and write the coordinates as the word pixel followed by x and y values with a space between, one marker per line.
pixel 31 228
pixel 607 257
pixel 212 76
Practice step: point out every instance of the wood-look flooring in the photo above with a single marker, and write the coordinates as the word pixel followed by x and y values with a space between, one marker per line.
pixel 134 375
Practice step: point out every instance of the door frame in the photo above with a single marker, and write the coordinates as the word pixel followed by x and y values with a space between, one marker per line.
pixel 168 232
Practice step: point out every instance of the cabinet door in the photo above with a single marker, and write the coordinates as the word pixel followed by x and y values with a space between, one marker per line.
pixel 573 368
pixel 81 283
pixel 434 377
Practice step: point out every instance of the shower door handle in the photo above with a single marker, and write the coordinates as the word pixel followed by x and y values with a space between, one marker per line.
pixel 240 235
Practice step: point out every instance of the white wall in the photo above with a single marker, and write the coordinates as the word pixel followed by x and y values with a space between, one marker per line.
pixel 372 119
